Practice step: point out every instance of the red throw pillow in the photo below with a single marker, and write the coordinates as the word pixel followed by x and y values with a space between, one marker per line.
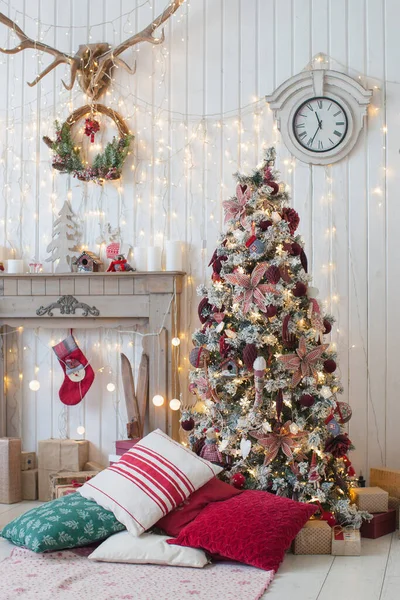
pixel 213 491
pixel 255 528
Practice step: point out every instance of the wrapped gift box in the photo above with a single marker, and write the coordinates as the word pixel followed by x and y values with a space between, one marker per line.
pixel 59 455
pixel 10 470
pixel 29 481
pixel 93 466
pixel 387 479
pixel 28 461
pixel 346 541
pixel 371 499
pixel 65 490
pixel 314 538
pixel 122 446
pixel 395 503
pixel 381 524
pixel 70 478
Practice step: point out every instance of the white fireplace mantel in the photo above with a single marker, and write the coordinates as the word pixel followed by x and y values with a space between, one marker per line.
pixel 88 300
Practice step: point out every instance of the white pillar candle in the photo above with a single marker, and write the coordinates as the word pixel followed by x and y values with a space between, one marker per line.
pixel 173 256
pixel 140 258
pixel 154 258
pixel 15 266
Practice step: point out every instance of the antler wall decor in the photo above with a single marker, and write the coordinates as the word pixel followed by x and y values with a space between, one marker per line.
pixel 92 63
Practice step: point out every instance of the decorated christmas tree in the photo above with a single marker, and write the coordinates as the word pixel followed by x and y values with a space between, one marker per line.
pixel 264 372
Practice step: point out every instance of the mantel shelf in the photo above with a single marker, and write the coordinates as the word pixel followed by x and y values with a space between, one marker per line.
pixel 100 274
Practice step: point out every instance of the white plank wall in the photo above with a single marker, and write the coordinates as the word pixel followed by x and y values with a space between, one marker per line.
pixel 195 107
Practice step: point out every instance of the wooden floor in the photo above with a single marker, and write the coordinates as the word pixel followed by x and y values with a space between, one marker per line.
pixel 373 576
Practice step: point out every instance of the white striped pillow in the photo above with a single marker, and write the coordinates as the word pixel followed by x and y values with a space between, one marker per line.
pixel 150 480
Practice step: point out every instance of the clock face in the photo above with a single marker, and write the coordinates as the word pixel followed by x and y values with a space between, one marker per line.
pixel 320 124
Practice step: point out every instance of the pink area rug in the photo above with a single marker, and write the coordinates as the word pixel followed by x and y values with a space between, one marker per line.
pixel 69 575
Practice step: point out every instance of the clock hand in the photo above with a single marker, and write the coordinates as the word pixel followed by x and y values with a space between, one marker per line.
pixel 312 141
pixel 319 121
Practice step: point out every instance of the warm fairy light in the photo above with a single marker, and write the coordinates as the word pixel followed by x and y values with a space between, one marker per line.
pixel 34 385
pixel 175 341
pixel 80 430
pixel 174 404
pixel 111 387
pixel 158 400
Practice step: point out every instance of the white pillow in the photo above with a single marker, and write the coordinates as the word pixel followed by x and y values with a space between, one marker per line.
pixel 148 481
pixel 150 549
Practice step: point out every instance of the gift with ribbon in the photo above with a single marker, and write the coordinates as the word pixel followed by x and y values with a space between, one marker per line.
pixel 346 541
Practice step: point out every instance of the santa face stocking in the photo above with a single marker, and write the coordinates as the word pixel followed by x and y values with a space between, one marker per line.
pixel 79 375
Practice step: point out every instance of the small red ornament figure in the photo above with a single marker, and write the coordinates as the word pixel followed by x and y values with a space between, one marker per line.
pixel 91 128
pixel 238 480
pixel 119 264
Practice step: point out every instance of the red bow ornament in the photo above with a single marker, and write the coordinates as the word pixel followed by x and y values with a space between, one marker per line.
pixel 253 290
pixel 235 208
pixel 91 128
pixel 303 362
pixel 280 440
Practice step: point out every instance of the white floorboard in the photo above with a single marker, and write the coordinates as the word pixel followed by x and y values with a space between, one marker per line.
pixel 375 575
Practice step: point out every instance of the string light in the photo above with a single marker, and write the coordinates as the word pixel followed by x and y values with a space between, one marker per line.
pixel 34 385
pixel 158 400
pixel 80 430
pixel 174 404
pixel 175 341
pixel 110 387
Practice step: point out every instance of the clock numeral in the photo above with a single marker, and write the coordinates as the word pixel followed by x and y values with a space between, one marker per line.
pixel 331 141
pixel 329 107
pixel 339 122
pixel 310 142
pixel 319 103
pixel 310 107
pixel 339 112
pixel 301 125
pixel 302 135
pixel 301 115
pixel 320 145
pixel 336 132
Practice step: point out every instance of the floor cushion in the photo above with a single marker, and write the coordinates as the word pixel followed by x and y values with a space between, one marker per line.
pixel 148 481
pixel 149 548
pixel 213 491
pixel 255 528
pixel 67 522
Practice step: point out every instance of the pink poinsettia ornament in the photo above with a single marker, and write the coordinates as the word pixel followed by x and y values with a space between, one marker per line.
pixel 235 208
pixel 303 362
pixel 253 290
pixel 281 440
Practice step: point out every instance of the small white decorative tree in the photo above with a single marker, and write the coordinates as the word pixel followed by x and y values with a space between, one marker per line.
pixel 63 245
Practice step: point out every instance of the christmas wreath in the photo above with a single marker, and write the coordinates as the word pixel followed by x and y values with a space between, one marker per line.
pixel 67 157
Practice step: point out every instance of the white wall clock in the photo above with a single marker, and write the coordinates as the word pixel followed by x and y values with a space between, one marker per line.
pixel 320 114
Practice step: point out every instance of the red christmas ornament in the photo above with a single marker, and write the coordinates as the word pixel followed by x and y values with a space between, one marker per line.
pixel 91 128
pixel 351 472
pixel 238 480
pixel 270 182
pixel 187 424
pixel 296 249
pixel 273 274
pixel 306 400
pixel 342 412
pixel 263 225
pixel 204 305
pixel 300 289
pixel 271 311
pixel 292 218
pixel 338 446
pixel 329 366
pixel 328 327
pixel 249 355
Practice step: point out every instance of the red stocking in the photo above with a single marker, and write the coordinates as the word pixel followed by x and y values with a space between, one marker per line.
pixel 79 375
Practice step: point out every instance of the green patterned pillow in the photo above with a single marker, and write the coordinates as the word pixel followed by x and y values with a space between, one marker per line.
pixel 67 522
